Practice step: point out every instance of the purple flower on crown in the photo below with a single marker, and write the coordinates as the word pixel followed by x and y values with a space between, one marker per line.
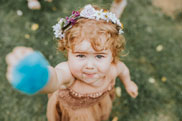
pixel 76 13
pixel 73 17
pixel 67 18
pixel 73 21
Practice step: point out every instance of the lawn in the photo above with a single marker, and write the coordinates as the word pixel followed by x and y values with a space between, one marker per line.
pixel 154 47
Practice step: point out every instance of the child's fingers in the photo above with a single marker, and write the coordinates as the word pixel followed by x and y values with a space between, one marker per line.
pixel 17 54
pixel 14 57
pixel 23 49
pixel 134 94
pixel 28 50
pixel 9 77
pixel 9 69
pixel 21 52
pixel 11 59
pixel 8 57
pixel 9 73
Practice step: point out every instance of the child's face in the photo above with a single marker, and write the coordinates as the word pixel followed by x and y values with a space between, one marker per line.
pixel 89 65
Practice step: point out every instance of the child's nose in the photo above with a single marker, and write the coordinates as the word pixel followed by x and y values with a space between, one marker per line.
pixel 90 64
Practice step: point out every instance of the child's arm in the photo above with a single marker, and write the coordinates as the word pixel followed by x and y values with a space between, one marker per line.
pixel 61 77
pixel 124 75
pixel 28 71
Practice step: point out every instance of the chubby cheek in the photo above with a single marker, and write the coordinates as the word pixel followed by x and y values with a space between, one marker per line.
pixel 104 68
pixel 75 67
pixel 105 65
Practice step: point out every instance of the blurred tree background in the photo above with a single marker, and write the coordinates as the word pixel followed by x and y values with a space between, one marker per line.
pixel 154 43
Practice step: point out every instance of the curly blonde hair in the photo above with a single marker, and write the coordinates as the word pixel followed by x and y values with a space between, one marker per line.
pixel 96 32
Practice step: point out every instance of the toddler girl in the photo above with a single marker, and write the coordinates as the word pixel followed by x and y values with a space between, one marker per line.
pixel 82 88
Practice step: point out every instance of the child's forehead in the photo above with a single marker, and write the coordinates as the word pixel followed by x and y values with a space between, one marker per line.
pixel 85 46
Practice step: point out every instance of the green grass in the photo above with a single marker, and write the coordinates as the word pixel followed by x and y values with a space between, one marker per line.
pixel 146 27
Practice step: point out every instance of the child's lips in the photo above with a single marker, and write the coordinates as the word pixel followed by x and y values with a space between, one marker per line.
pixel 89 74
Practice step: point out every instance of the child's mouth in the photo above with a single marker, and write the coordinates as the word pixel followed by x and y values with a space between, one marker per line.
pixel 89 75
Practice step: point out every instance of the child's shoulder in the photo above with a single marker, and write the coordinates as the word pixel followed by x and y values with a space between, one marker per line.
pixel 62 65
pixel 114 70
pixel 64 72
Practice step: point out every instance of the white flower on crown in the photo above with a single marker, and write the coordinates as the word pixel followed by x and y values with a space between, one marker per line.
pixel 58 28
pixel 118 22
pixel 99 14
pixel 112 17
pixel 121 31
pixel 62 21
pixel 88 12
pixel 106 16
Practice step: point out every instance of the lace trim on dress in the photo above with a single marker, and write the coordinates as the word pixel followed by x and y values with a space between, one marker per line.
pixel 90 95
pixel 74 100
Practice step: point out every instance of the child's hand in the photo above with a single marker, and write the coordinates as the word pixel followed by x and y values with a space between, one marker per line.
pixel 27 70
pixel 132 89
pixel 14 57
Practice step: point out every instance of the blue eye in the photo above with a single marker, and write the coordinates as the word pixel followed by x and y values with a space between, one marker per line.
pixel 80 56
pixel 99 56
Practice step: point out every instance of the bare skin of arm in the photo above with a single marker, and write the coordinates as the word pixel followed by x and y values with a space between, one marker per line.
pixel 60 76
pixel 124 76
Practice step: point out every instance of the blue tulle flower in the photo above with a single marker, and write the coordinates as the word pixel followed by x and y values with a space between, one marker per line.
pixel 31 74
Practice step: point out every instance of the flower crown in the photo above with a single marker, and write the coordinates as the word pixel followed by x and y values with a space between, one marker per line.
pixel 87 12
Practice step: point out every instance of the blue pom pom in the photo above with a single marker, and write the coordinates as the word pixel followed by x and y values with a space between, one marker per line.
pixel 31 74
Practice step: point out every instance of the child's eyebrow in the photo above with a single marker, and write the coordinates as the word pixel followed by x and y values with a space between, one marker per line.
pixel 101 53
pixel 79 52
pixel 83 52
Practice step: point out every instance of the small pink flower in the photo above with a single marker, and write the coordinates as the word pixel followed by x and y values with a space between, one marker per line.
pixel 73 12
pixel 67 18
pixel 73 21
pixel 77 14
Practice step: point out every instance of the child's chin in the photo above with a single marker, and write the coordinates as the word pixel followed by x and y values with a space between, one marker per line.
pixel 89 80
